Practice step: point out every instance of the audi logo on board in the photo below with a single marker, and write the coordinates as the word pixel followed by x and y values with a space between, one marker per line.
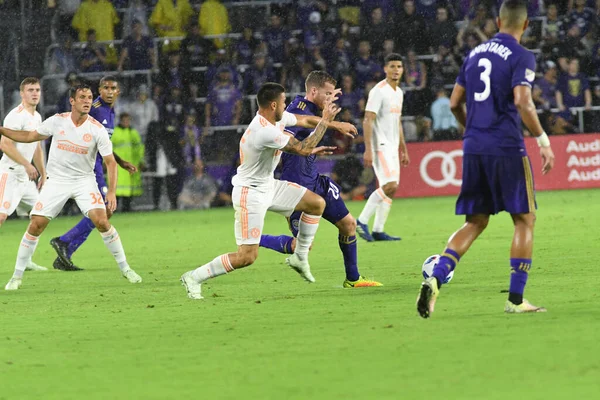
pixel 449 168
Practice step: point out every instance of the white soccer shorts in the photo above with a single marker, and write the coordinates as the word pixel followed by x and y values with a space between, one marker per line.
pixel 14 192
pixel 386 165
pixel 55 194
pixel 251 207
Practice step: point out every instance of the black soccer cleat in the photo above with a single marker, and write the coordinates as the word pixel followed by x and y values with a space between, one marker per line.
pixel 62 250
pixel 58 264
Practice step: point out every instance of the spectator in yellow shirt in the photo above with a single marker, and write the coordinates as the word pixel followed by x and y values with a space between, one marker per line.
pixel 99 15
pixel 170 17
pixel 214 20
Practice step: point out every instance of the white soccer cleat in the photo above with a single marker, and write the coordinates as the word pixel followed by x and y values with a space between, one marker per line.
pixel 13 284
pixel 194 289
pixel 131 276
pixel 524 307
pixel 34 267
pixel 300 266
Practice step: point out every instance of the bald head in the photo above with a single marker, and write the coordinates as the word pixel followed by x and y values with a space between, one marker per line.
pixel 513 15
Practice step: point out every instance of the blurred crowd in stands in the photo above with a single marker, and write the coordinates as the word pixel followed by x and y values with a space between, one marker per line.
pixel 189 68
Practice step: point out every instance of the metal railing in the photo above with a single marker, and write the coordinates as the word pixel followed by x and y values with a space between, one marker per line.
pixel 579 111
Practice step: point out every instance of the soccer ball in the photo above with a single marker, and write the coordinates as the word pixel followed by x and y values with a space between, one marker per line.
pixel 430 264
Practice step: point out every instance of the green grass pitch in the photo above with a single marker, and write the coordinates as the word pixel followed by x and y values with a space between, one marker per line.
pixel 263 333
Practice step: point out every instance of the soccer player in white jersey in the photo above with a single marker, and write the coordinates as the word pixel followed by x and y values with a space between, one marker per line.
pixel 383 134
pixel 18 176
pixel 256 191
pixel 77 139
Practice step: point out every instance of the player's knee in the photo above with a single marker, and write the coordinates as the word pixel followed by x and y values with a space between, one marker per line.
pixel 390 189
pixel 316 206
pixel 479 222
pixel 320 204
pixel 36 227
pixel 102 224
pixel 247 258
pixel 348 226
pixel 525 219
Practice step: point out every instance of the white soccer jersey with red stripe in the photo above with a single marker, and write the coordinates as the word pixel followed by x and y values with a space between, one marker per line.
pixel 260 151
pixel 74 148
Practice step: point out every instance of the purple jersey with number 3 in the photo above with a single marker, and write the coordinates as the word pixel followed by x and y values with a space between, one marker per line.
pixel 497 173
pixel 489 75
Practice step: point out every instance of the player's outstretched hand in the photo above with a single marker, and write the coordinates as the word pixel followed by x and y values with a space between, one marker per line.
pixel 547 159
pixel 323 150
pixel 368 159
pixel 345 128
pixel 111 202
pixel 129 167
pixel 32 172
pixel 330 111
pixel 336 95
pixel 405 160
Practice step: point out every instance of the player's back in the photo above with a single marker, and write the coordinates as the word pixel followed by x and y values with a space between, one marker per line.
pixel 489 75
pixel 296 168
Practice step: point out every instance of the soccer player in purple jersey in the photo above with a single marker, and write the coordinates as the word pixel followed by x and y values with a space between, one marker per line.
pixel 103 111
pixel 495 83
pixel 320 87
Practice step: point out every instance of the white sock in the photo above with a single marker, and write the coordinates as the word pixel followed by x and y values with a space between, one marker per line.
pixel 219 266
pixel 376 198
pixel 381 214
pixel 307 228
pixel 112 241
pixel 26 250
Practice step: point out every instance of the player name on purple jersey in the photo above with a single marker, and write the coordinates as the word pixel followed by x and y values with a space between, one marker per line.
pixel 492 47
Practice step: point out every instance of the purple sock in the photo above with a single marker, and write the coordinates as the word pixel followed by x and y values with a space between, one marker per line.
pixel 518 278
pixel 447 263
pixel 281 244
pixel 349 250
pixel 78 234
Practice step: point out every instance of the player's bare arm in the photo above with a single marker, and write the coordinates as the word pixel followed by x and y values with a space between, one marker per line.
pixel 237 112
pixel 404 158
pixel 9 148
pixel 458 100
pixel 306 146
pixel 311 121
pixel 588 99
pixel 559 101
pixel 526 108
pixel 39 162
pixel 368 122
pixel 126 165
pixel 111 167
pixel 22 136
